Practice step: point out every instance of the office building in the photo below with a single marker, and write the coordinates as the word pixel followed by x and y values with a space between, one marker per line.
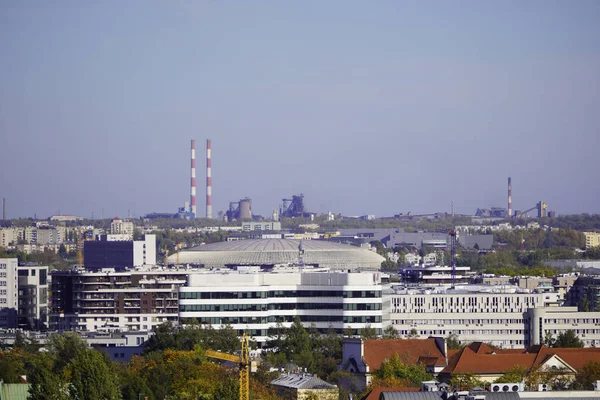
pixel 119 254
pixel 256 301
pixel 496 315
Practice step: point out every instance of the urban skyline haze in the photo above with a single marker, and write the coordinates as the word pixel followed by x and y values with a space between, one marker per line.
pixel 365 107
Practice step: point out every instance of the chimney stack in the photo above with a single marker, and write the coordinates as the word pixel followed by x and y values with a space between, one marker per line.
pixel 3 209
pixel 208 181
pixel 510 211
pixel 193 180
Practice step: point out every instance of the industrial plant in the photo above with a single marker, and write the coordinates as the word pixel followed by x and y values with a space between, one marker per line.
pixel 498 212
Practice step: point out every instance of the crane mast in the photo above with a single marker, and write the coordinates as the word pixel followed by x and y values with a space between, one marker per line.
pixel 243 360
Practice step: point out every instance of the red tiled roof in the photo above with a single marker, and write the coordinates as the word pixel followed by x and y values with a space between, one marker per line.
pixel 478 359
pixel 376 392
pixel 409 350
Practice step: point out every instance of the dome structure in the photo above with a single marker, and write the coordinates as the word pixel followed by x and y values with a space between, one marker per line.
pixel 272 252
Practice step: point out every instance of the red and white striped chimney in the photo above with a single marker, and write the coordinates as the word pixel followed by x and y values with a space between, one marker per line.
pixel 208 181
pixel 193 180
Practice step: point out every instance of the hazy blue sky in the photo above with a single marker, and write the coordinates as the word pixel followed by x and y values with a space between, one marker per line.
pixel 372 107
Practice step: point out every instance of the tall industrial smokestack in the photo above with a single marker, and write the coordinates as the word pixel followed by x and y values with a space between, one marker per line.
pixel 193 180
pixel 208 181
pixel 510 211
pixel 3 209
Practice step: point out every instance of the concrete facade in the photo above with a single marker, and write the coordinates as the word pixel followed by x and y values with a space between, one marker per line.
pixel 33 297
pixel 256 302
pixel 8 292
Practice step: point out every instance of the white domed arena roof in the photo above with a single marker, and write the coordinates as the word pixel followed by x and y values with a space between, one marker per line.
pixel 271 252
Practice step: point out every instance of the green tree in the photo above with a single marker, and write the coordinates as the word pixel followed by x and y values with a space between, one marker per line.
pixel 390 333
pixel 91 378
pixel 567 339
pixel 517 373
pixel 549 339
pixel 389 265
pixel 587 375
pixel 452 342
pixel 395 368
pixel 368 332
pixel 465 381
pixel 412 334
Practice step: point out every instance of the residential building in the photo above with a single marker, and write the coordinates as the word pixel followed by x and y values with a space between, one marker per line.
pixel 33 296
pixel 8 292
pixel 298 386
pixel 119 346
pixel 120 227
pixel 362 357
pixel 256 302
pixel 592 239
pixel 494 314
pixel 110 300
pixel 119 254
pixel 8 237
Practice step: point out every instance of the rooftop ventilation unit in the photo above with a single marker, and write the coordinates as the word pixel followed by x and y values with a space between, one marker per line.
pixel 507 387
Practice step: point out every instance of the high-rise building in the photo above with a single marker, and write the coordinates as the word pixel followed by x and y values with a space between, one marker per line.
pixel 33 296
pixel 8 292
pixel 119 254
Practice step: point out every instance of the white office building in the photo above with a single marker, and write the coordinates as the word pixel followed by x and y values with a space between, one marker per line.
pixel 8 292
pixel 255 302
pixel 496 315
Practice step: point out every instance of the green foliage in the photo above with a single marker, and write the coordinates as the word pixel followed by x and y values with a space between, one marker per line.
pixel 586 376
pixel 188 337
pixel 452 342
pixel 465 381
pixel 390 333
pixel 567 339
pixel 91 378
pixel 516 374
pixel 412 334
pixel 395 368
pixel 368 332
pixel 389 265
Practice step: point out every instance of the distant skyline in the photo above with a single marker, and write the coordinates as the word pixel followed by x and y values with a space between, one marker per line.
pixel 365 107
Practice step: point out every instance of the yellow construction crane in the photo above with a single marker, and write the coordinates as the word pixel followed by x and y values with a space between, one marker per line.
pixel 243 360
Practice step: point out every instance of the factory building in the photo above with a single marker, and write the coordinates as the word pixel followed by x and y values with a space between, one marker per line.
pixel 109 300
pixel 261 226
pixel 255 302
pixel 110 251
pixel 33 297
